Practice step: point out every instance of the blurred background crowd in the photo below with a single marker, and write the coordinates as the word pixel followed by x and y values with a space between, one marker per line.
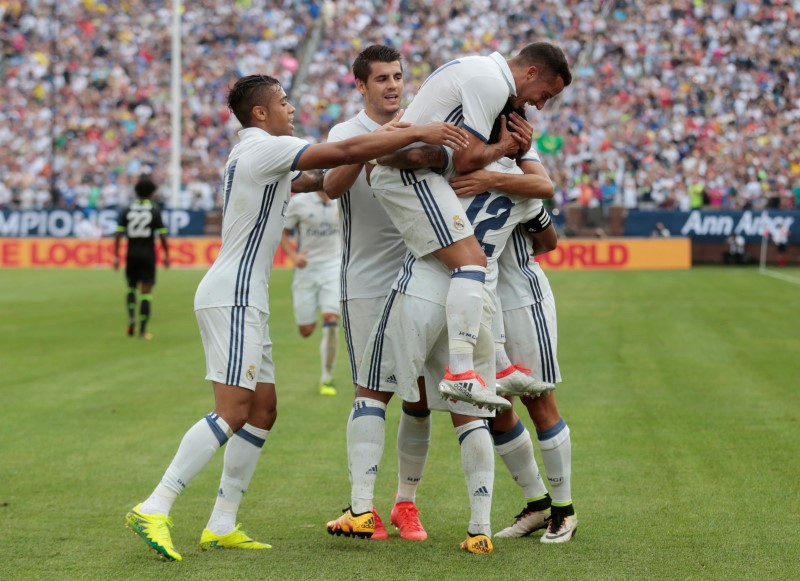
pixel 675 105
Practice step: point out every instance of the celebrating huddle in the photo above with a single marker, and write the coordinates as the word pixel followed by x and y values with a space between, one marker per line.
pixel 442 301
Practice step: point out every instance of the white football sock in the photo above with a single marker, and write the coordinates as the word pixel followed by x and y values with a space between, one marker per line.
pixel 197 448
pixel 241 458
pixel 413 442
pixel 502 362
pixel 366 432
pixel 464 308
pixel 516 450
pixel 328 348
pixel 477 460
pixel 556 448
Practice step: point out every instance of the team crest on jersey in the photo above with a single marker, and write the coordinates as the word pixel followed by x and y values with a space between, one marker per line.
pixel 458 223
pixel 251 372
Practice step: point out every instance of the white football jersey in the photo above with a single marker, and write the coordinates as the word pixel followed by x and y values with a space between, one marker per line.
pixel 372 248
pixel 522 281
pixel 493 215
pixel 257 183
pixel 316 228
pixel 470 92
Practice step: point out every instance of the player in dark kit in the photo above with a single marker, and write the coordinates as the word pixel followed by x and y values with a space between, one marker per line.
pixel 140 222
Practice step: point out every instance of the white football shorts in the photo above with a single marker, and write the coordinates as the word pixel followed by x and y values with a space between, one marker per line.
pixel 423 208
pixel 237 345
pixel 358 319
pixel 532 338
pixel 315 289
pixel 410 340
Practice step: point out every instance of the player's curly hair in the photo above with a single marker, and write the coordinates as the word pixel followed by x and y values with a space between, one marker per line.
pixel 145 187
pixel 248 92
pixel 547 57
pixel 377 53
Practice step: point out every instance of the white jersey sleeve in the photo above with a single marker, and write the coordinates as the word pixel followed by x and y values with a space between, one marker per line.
pixel 531 155
pixel 522 282
pixel 292 217
pixel 470 92
pixel 480 95
pixel 276 157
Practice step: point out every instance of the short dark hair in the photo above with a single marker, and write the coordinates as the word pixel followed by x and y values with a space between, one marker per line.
pixel 377 53
pixel 248 92
pixel 145 187
pixel 547 57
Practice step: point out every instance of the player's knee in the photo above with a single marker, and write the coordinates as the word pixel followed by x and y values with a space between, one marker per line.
pixel 504 421
pixel 306 330
pixel 264 418
pixel 543 411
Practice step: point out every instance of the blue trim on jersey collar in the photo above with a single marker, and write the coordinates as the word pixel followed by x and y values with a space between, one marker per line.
pixel 506 70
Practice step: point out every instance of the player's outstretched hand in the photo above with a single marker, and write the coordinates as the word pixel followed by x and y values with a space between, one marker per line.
pixel 472 183
pixel 441 133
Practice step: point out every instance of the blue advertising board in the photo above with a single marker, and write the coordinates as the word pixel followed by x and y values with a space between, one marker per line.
pixel 62 223
pixel 710 226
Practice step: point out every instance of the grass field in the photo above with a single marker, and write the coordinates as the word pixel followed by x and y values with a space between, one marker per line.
pixel 682 391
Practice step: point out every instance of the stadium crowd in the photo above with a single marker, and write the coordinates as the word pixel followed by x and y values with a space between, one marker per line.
pixel 675 105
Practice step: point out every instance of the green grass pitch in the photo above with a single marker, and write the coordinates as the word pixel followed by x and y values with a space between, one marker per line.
pixel 682 392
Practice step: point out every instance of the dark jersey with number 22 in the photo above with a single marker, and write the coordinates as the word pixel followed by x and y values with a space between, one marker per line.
pixel 140 222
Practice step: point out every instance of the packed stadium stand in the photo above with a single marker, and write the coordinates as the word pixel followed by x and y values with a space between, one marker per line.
pixel 675 105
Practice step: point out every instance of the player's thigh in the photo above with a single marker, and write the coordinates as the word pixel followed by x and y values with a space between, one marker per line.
pixel 304 297
pixel 358 319
pixel 532 339
pixel 329 291
pixel 426 212
pixel 237 346
pixel 399 343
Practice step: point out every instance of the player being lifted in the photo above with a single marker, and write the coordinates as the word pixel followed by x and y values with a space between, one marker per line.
pixel 470 92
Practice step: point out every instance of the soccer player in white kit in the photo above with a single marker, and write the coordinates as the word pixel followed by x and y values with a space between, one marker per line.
pixel 232 308
pixel 411 337
pixel 529 318
pixel 470 92
pixel 311 241
pixel 526 334
pixel 373 253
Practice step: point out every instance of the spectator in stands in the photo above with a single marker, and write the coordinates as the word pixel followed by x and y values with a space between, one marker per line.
pixel 697 92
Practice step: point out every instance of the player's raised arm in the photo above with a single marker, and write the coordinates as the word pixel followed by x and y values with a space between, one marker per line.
pixel 478 154
pixel 366 147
